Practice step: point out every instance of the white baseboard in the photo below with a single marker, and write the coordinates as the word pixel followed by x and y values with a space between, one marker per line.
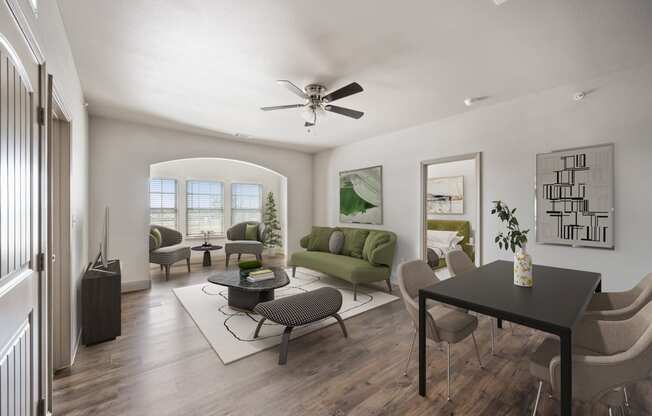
pixel 136 285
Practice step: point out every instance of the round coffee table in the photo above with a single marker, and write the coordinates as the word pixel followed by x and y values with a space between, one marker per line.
pixel 207 252
pixel 244 295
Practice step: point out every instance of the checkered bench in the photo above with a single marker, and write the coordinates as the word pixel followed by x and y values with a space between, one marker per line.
pixel 301 309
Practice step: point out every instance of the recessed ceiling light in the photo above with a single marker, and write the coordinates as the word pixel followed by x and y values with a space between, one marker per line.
pixel 242 135
pixel 499 2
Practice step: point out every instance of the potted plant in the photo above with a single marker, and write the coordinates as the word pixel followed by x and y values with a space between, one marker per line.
pixel 272 226
pixel 515 240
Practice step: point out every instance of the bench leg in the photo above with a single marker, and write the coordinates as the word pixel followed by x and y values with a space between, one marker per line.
pixel 283 353
pixel 294 271
pixel 389 285
pixel 341 322
pixel 260 325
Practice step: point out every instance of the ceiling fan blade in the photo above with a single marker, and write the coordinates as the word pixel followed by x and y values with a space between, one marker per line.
pixel 352 88
pixel 292 88
pixel 281 107
pixel 344 111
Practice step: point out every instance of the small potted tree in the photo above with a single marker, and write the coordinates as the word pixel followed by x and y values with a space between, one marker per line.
pixel 272 225
pixel 515 240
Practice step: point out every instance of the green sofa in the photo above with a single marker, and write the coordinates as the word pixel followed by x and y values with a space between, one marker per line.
pixel 463 229
pixel 371 264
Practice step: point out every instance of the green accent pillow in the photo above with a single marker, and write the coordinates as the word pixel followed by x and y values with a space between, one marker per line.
pixel 375 239
pixel 158 238
pixel 354 240
pixel 251 232
pixel 319 239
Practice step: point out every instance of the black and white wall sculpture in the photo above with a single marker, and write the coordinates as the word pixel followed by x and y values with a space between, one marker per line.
pixel 575 197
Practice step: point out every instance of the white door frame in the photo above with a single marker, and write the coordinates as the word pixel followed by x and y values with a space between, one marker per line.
pixel 423 222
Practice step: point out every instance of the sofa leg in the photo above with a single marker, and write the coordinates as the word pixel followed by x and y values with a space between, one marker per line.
pixel 341 322
pixel 167 271
pixel 161 267
pixel 294 271
pixel 283 353
pixel 227 260
pixel 239 255
pixel 389 285
pixel 188 264
pixel 355 292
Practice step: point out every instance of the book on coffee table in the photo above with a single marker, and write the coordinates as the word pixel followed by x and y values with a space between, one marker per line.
pixel 260 275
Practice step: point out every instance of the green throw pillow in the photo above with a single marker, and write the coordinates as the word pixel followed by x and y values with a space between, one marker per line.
pixel 319 239
pixel 251 232
pixel 158 238
pixel 375 239
pixel 354 240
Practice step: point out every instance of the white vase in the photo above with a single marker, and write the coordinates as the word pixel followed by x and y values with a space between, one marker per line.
pixel 523 268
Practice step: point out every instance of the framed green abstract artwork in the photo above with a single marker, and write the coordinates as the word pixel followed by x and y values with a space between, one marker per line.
pixel 361 196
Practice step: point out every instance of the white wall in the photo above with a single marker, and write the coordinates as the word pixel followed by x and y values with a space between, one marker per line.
pixel 227 172
pixel 121 155
pixel 51 36
pixel 466 169
pixel 509 135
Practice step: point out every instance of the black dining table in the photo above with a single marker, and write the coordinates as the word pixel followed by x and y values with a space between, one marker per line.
pixel 554 304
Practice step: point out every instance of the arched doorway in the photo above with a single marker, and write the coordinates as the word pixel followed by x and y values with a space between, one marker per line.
pixel 201 198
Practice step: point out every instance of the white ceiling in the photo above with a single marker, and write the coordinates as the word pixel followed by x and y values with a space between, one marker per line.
pixel 208 65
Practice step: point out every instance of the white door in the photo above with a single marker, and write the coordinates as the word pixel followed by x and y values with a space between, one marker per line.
pixel 21 367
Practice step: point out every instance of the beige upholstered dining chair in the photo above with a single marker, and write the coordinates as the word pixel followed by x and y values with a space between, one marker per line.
pixel 617 306
pixel 458 262
pixel 606 356
pixel 444 324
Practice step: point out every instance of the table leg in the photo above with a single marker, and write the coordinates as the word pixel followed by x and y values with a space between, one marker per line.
pixel 207 259
pixel 566 374
pixel 422 345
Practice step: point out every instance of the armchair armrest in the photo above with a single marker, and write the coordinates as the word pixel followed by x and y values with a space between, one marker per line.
pixel 383 254
pixel 305 240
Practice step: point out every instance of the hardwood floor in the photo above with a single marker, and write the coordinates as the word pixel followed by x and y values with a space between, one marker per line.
pixel 162 365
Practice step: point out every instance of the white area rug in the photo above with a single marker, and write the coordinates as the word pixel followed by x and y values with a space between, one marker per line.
pixel 230 332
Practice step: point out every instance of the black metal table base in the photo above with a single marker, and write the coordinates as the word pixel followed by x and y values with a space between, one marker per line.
pixel 247 300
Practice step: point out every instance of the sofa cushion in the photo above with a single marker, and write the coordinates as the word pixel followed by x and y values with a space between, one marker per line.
pixel 336 242
pixel 319 239
pixel 348 268
pixel 251 232
pixel 156 238
pixel 374 240
pixel 354 239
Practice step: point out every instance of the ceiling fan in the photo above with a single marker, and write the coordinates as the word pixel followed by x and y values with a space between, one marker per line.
pixel 316 101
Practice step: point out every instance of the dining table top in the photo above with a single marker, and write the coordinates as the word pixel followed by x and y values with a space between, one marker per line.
pixel 555 303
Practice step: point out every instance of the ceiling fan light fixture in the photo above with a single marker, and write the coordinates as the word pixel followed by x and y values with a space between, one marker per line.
pixel 308 114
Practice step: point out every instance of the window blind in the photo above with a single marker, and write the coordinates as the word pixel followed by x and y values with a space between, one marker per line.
pixel 204 207
pixel 163 202
pixel 246 202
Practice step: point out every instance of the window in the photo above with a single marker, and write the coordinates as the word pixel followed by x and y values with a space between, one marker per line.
pixel 204 207
pixel 246 202
pixel 163 202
